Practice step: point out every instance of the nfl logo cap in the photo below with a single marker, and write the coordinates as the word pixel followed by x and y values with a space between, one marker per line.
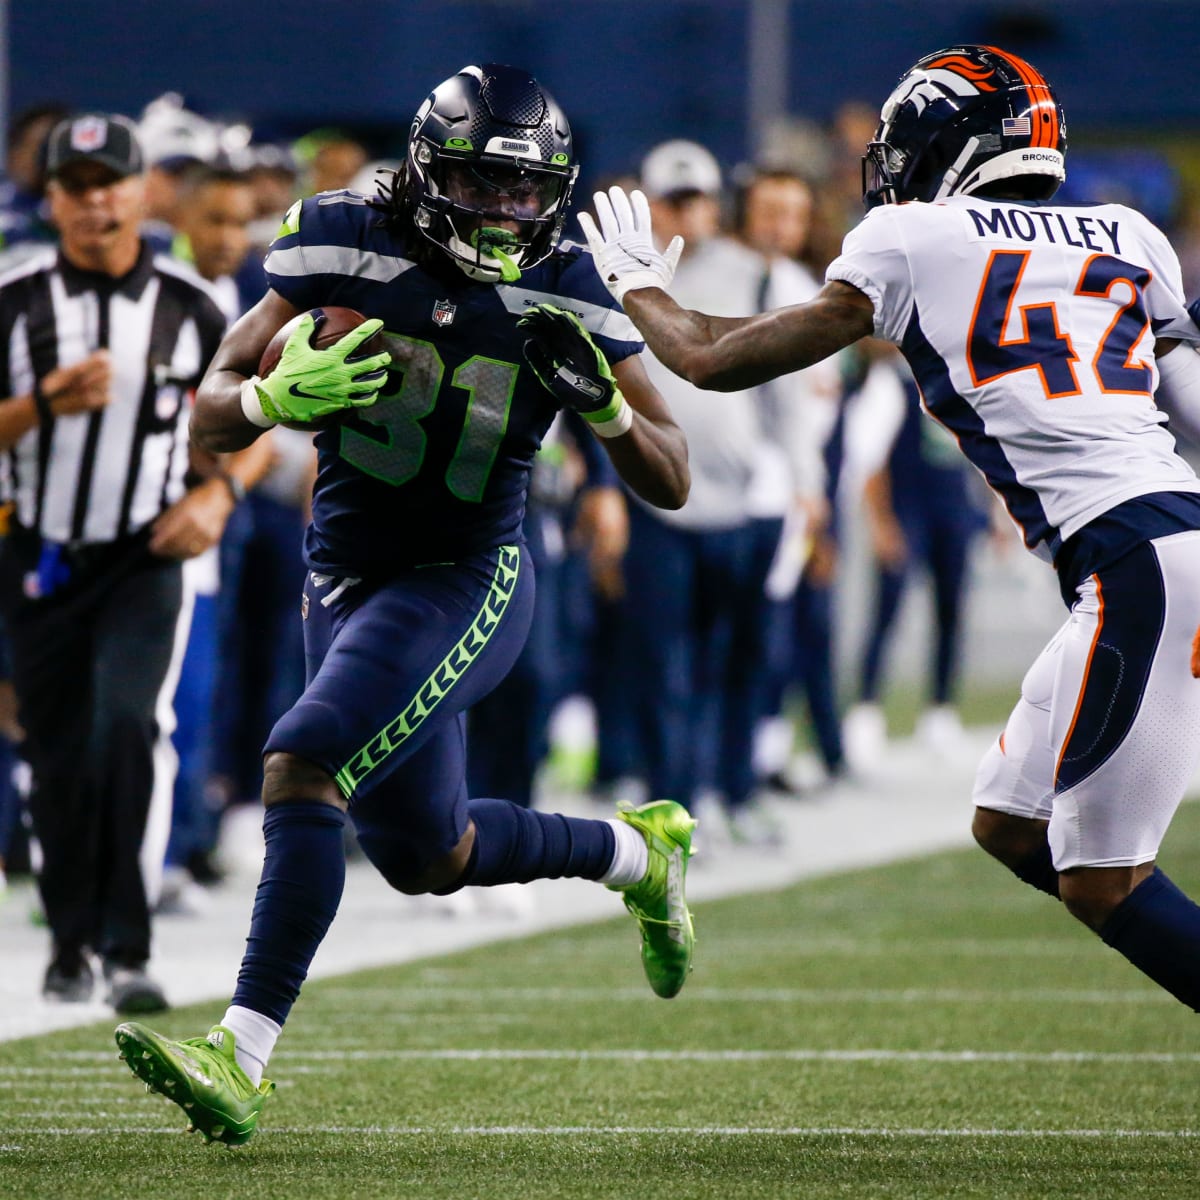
pixel 106 138
pixel 679 168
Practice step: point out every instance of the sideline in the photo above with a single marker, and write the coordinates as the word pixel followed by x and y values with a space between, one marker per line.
pixel 915 804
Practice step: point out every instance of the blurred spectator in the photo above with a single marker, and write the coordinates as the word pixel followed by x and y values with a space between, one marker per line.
pixel 214 208
pixel 839 203
pixel 574 497
pixel 274 176
pixel 331 158
pixel 922 515
pixel 667 713
pixel 245 661
pixel 175 141
pixel 23 218
pixel 797 549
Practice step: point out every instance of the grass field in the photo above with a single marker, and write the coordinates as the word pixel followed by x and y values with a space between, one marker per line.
pixel 930 1029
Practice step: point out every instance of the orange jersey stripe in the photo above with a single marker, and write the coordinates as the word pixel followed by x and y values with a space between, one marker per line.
pixel 1083 682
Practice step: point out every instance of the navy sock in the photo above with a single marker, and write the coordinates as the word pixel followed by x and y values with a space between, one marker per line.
pixel 1038 871
pixel 515 845
pixel 303 875
pixel 1157 928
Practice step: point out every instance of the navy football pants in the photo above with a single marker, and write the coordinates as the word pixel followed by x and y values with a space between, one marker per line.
pixel 392 667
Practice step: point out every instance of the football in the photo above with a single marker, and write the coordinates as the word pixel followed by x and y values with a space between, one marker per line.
pixel 330 324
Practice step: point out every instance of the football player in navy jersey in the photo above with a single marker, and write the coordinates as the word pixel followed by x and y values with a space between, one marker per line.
pixel 419 591
pixel 1039 334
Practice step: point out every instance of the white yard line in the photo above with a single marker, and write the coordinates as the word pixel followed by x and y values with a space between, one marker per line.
pixel 677 1055
pixel 558 1131
pixel 394 999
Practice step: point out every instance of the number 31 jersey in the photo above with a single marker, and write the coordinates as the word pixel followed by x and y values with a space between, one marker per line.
pixel 1030 328
pixel 439 466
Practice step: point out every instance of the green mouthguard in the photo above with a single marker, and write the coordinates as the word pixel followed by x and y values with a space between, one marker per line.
pixel 489 240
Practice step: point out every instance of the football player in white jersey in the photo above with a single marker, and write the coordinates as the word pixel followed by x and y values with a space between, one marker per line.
pixel 1039 334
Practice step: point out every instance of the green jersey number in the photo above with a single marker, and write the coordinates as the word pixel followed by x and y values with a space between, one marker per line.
pixel 396 455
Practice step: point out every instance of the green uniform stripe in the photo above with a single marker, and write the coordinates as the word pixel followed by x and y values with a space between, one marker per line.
pixel 451 669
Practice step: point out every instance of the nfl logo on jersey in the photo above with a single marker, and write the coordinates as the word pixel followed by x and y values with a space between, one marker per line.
pixel 443 313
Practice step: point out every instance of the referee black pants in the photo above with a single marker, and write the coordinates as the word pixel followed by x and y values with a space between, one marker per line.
pixel 89 664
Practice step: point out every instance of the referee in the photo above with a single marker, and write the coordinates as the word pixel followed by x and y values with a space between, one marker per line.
pixel 101 346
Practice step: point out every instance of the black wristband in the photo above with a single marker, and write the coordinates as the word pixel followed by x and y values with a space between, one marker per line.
pixel 237 489
pixel 42 403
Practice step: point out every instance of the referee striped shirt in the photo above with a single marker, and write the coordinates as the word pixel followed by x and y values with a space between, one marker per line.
pixel 94 477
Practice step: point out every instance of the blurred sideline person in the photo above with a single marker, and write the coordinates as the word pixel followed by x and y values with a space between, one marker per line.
pixel 680 709
pixel 575 505
pixel 214 207
pixel 101 344
pixel 791 499
pixel 419 594
pixel 176 141
pixel 922 516
pixel 1039 334
pixel 332 158
pixel 274 177
pixel 23 218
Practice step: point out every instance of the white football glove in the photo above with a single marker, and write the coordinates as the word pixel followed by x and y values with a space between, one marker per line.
pixel 623 246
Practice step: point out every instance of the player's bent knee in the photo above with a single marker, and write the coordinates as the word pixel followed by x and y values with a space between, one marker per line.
pixel 1009 838
pixel 414 873
pixel 289 778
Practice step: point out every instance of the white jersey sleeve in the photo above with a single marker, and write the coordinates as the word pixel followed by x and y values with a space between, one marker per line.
pixel 1031 329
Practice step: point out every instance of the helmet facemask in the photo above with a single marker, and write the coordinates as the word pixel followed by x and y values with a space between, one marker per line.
pixel 494 215
pixel 489 171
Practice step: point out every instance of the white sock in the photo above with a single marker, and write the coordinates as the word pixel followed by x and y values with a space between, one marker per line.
pixel 631 858
pixel 254 1038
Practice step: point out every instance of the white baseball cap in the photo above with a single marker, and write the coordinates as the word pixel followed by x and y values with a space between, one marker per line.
pixel 680 166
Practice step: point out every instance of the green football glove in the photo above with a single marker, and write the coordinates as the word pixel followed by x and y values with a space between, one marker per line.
pixel 308 384
pixel 571 367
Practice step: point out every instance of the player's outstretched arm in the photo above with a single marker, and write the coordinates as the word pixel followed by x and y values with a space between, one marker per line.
pixel 727 354
pixel 218 421
pixel 722 353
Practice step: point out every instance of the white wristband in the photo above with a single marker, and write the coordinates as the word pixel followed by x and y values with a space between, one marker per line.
pixel 617 425
pixel 252 408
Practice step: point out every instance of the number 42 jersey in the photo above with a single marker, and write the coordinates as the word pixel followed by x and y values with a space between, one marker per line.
pixel 1030 328
pixel 438 467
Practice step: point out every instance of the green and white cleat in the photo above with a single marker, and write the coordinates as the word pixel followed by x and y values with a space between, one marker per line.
pixel 201 1075
pixel 657 900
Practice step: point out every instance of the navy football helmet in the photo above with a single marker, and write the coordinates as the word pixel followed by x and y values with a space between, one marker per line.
pixel 963 119
pixel 489 171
